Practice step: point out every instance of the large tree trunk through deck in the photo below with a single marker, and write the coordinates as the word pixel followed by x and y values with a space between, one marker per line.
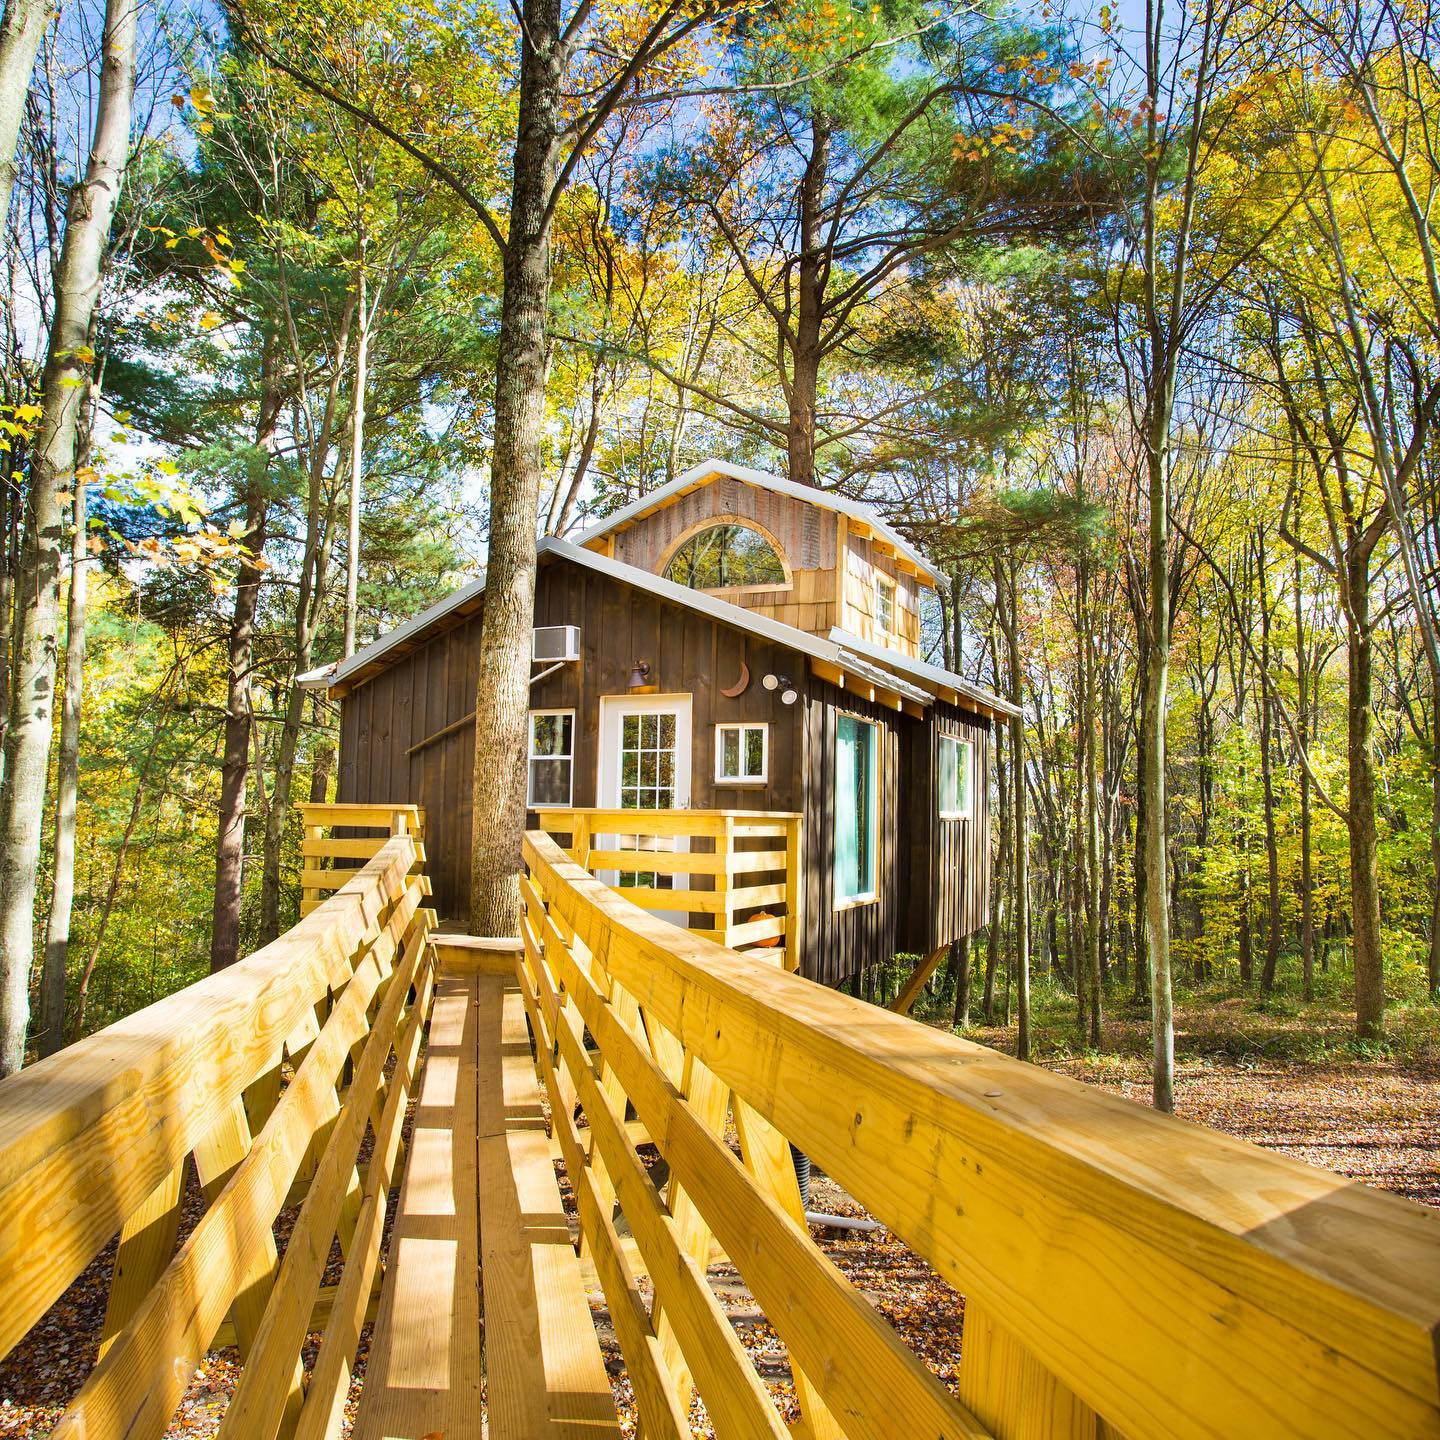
pixel 27 740
pixel 502 697
pixel 1360 735
pixel 810 300
pixel 239 704
pixel 21 31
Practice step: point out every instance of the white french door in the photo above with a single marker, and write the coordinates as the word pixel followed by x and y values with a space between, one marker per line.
pixel 645 765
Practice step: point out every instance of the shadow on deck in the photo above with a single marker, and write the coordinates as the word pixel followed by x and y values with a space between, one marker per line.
pixel 1124 1273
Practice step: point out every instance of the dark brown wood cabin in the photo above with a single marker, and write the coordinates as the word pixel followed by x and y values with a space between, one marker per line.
pixel 779 631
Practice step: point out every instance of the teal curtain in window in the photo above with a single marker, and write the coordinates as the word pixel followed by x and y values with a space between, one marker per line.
pixel 855 777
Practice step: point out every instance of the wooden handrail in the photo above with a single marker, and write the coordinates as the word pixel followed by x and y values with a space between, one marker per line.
pixel 742 880
pixel 1123 1271
pixel 320 854
pixel 268 1074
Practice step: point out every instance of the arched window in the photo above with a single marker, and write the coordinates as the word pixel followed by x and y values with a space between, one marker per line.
pixel 726 555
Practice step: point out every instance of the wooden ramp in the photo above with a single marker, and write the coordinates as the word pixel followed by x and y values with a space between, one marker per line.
pixel 480 1227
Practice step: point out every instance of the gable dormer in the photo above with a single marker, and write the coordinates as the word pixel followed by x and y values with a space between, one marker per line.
pixel 801 556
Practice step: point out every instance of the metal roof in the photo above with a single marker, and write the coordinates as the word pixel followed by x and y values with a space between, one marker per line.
pixel 921 670
pixel 874 664
pixel 811 495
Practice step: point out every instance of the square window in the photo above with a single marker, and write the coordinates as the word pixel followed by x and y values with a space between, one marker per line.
pixel 885 604
pixel 953 780
pixel 742 754
pixel 552 759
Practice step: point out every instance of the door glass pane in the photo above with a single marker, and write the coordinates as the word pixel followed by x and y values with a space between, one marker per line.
pixel 648 761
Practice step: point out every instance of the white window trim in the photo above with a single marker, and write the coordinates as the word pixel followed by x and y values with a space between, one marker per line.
pixel 871 896
pixel 967 749
pixel 734 782
pixel 531 757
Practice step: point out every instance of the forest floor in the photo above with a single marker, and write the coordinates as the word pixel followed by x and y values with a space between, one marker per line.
pixel 1285 1076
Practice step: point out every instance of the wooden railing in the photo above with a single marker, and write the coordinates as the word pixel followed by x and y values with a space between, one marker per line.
pixel 329 861
pixel 268 1075
pixel 734 875
pixel 1123 1272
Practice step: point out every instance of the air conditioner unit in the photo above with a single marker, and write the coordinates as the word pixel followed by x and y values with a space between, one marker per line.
pixel 555 643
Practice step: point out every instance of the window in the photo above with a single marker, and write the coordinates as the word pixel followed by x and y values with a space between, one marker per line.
pixel 552 758
pixel 726 555
pixel 857 811
pixel 954 777
pixel 885 604
pixel 742 754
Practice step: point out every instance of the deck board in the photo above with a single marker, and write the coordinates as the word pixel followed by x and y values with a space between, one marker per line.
pixel 424 1372
pixel 545 1373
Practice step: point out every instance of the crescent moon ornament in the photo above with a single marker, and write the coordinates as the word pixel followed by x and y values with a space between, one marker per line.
pixel 738 688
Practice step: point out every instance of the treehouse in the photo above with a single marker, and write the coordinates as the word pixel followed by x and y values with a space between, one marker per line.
pixel 731 721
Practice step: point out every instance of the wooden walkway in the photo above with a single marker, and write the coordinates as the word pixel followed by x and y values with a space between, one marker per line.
pixel 480 1223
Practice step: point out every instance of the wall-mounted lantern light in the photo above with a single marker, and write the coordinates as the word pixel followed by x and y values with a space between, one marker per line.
pixel 640 677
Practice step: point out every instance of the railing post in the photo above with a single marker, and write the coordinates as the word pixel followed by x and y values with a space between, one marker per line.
pixel 725 880
pixel 793 893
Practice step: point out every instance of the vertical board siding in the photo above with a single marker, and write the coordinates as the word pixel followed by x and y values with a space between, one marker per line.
pixel 945 864
pixel 839 941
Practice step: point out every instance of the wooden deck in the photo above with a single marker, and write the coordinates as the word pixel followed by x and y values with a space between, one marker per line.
pixel 1123 1273
pixel 480 1167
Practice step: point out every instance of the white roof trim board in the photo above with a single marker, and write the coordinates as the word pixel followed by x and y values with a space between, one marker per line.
pixel 912 679
pixel 808 493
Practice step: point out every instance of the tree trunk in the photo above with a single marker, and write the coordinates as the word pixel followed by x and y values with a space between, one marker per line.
pixel 21 31
pixel 357 455
pixel 810 299
pixel 999 878
pixel 1434 958
pixel 67 779
pixel 1011 622
pixel 503 693
pixel 320 774
pixel 1157 888
pixel 1364 871
pixel 1092 816
pixel 313 571
pixel 1272 855
pixel 964 975
pixel 67 369
pixel 239 700
pixel 1302 725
